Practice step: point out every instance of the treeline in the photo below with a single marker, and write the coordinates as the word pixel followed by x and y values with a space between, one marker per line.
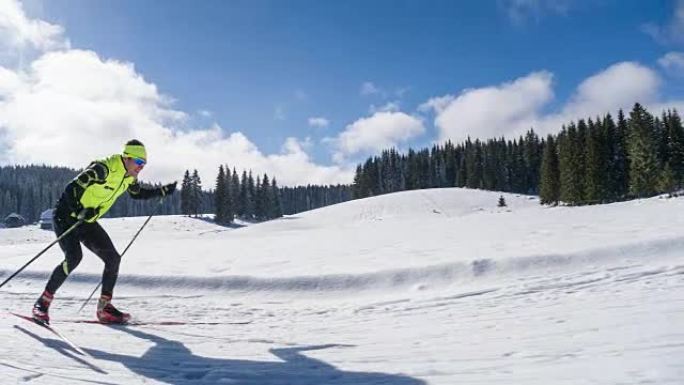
pixel 234 196
pixel 30 190
pixel 496 164
pixel 304 198
pixel 592 161
pixel 259 199
pixel 603 160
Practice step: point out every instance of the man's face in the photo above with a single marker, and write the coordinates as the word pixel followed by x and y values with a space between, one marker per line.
pixel 134 166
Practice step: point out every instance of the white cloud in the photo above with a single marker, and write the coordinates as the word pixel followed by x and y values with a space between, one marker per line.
pixel 673 31
pixel 618 86
pixel 673 62
pixel 492 111
pixel 657 108
pixel 19 32
pixel 438 104
pixel 371 89
pixel 368 88
pixel 68 107
pixel 512 108
pixel 9 82
pixel 387 107
pixel 204 113
pixel 319 122
pixel 520 11
pixel 72 107
pixel 294 145
pixel 380 131
pixel 294 166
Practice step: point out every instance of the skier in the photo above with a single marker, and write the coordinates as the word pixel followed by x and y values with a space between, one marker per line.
pixel 87 198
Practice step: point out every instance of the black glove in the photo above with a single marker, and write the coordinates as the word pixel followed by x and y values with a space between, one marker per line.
pixel 168 189
pixel 87 214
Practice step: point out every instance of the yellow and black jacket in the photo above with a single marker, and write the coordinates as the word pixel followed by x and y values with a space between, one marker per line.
pixel 98 187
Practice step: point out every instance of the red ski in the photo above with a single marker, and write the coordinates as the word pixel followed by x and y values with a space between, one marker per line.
pixel 154 323
pixel 61 337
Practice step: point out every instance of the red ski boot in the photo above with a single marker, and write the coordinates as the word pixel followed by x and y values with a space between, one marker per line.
pixel 41 307
pixel 108 314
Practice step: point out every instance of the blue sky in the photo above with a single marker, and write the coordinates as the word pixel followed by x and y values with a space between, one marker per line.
pixel 371 73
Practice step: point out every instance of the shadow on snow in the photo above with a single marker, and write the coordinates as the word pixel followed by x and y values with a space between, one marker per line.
pixel 171 362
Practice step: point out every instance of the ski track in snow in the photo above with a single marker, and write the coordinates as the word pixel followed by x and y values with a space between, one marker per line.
pixel 605 307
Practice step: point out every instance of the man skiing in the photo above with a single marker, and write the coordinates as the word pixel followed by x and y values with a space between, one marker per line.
pixel 87 198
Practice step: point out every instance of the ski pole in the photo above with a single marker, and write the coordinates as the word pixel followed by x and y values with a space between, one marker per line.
pixel 69 230
pixel 122 254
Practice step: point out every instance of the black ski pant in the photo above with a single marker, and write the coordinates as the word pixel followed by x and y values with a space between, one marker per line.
pixel 93 236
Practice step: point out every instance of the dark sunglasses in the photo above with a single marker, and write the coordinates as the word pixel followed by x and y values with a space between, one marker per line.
pixel 139 162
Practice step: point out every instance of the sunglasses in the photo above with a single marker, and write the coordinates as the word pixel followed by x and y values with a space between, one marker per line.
pixel 139 162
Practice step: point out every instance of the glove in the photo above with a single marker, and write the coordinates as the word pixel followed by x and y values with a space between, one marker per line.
pixel 168 189
pixel 87 214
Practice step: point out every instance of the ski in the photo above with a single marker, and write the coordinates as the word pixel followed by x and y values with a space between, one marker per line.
pixel 53 331
pixel 61 337
pixel 154 323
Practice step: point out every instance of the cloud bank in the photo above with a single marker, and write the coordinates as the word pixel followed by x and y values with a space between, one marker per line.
pixel 512 108
pixel 70 106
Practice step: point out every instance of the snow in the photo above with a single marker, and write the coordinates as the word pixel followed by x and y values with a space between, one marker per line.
pixel 420 287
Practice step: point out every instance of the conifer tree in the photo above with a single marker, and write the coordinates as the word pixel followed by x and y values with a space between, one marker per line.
pixel 357 185
pixel 666 180
pixel 502 201
pixel 643 173
pixel 220 197
pixel 396 172
pixel 229 207
pixel 518 166
pixel 244 196
pixel 259 203
pixel 462 174
pixel 235 193
pixel 266 202
pixel 596 175
pixel 473 163
pixel 580 158
pixel 549 189
pixel 196 195
pixel 532 157
pixel 675 138
pixel 277 209
pixel 610 147
pixel 502 174
pixel 570 187
pixel 251 196
pixel 186 194
pixel 660 137
pixel 621 158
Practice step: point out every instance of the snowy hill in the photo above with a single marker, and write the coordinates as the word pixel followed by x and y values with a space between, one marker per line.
pixel 431 286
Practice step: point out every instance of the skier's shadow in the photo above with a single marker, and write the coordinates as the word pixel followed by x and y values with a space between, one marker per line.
pixel 171 362
pixel 61 347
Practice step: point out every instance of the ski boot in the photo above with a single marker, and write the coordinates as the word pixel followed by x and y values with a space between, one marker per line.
pixel 41 307
pixel 108 314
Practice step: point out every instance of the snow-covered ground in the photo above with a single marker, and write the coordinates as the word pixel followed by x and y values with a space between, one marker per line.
pixel 419 287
